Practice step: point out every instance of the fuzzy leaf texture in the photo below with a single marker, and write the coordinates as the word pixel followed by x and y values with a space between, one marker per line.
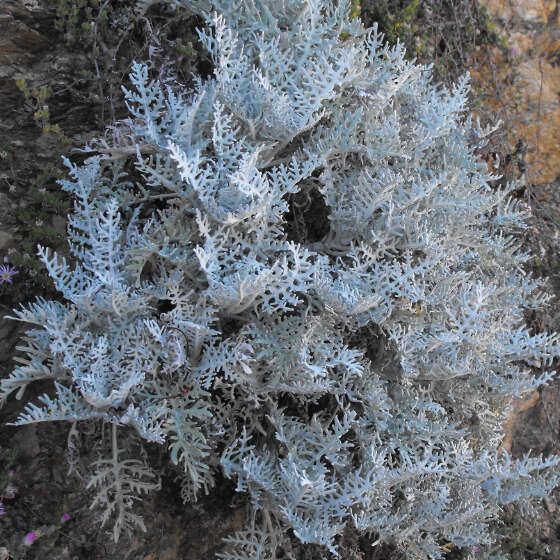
pixel 299 274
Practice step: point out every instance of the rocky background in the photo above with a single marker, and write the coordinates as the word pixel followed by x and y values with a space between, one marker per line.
pixel 62 63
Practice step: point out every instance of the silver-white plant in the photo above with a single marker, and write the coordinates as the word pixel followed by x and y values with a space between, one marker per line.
pixel 298 273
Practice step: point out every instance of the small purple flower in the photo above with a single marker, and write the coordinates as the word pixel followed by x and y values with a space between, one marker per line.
pixel 2 512
pixel 7 272
pixel 65 517
pixel 475 548
pixel 514 50
pixel 31 537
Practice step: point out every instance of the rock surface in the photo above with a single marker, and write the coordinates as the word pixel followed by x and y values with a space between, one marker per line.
pixel 524 82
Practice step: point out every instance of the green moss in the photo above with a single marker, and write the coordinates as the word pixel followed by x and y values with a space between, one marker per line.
pixel 491 32
pixel 34 223
pixel 8 460
pixel 399 23
pixel 75 19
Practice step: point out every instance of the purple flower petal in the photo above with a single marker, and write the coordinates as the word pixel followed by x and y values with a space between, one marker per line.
pixel 30 537
pixel 6 273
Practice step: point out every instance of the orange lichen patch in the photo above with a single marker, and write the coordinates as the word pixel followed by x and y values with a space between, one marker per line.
pixel 522 88
pixel 519 406
pixel 540 82
pixel 523 42
pixel 537 11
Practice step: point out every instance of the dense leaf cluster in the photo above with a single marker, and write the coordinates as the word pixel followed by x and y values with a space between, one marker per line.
pixel 360 378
